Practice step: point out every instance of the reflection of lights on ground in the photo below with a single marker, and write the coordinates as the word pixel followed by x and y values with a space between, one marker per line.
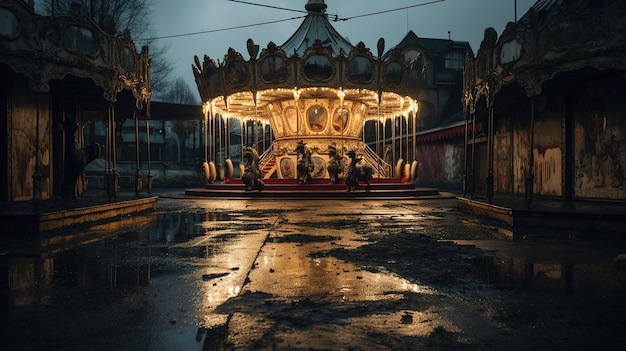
pixel 218 297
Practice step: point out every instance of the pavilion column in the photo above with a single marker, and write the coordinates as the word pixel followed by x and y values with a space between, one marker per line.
pixel 37 176
pixel 149 177
pixel 530 176
pixel 111 173
pixel 472 170
pixel 465 147
pixel 137 173
pixel 490 180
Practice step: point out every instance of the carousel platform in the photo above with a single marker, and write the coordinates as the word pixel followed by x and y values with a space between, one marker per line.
pixel 314 188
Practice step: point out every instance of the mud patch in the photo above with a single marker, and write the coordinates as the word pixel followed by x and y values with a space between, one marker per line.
pixel 417 258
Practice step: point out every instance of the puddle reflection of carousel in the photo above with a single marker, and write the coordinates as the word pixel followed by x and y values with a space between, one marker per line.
pixel 316 89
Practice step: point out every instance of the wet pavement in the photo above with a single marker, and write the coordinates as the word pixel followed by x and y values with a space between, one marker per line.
pixel 218 274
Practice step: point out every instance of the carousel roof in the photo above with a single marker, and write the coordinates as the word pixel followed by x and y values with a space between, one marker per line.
pixel 316 27
pixel 316 62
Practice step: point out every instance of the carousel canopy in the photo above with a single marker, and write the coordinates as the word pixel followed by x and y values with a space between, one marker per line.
pixel 316 62
pixel 316 27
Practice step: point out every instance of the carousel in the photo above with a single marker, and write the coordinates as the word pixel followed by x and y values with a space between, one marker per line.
pixel 302 109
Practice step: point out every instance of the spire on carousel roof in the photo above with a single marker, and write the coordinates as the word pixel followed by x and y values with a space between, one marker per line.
pixel 315 6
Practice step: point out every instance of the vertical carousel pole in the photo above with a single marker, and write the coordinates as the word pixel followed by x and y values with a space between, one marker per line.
pixel 241 132
pixel 227 134
pixel 296 97
pixel 406 147
pixel 212 142
pixel 400 138
pixel 205 133
pixel 415 133
pixel 205 141
pixel 393 142
pixel 341 95
pixel 212 138
pixel 256 133
pixel 264 145
pixel 406 134
pixel 222 143
pixel 379 149
pixel 377 139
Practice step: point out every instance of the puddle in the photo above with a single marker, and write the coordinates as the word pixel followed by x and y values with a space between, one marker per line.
pixel 586 279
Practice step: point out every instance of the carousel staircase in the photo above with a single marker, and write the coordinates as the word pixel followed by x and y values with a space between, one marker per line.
pixel 267 163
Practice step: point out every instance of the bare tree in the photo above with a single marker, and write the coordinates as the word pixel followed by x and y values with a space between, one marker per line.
pixel 179 92
pixel 116 16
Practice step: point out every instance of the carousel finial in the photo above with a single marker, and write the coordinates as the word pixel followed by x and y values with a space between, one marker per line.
pixel 315 6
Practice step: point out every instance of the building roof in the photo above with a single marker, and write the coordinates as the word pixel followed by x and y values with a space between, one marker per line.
pixel 430 46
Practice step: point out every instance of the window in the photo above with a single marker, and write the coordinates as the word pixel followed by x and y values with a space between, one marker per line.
pixel 8 23
pixel 455 59
pixel 81 39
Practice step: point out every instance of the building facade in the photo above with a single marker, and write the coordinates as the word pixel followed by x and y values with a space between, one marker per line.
pixel 55 69
pixel 545 104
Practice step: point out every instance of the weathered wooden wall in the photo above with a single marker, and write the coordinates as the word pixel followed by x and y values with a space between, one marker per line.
pixel 23 143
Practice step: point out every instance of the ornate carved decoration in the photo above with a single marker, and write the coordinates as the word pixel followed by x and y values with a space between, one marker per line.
pixel 46 48
pixel 564 37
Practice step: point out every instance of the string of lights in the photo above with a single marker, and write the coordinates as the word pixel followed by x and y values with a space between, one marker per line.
pixel 335 18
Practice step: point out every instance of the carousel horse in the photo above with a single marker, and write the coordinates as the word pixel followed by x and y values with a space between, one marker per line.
pixel 334 166
pixel 76 159
pixel 357 173
pixel 305 163
pixel 251 176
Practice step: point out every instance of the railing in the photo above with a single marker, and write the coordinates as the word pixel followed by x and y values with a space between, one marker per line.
pixel 265 157
pixel 376 162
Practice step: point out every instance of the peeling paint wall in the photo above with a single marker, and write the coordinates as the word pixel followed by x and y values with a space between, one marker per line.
pixel 547 150
pixel 600 141
pixel 503 153
pixel 521 144
pixel 548 172
pixel 441 164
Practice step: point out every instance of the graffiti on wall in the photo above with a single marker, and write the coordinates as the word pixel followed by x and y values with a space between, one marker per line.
pixel 503 162
pixel 600 158
pixel 521 142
